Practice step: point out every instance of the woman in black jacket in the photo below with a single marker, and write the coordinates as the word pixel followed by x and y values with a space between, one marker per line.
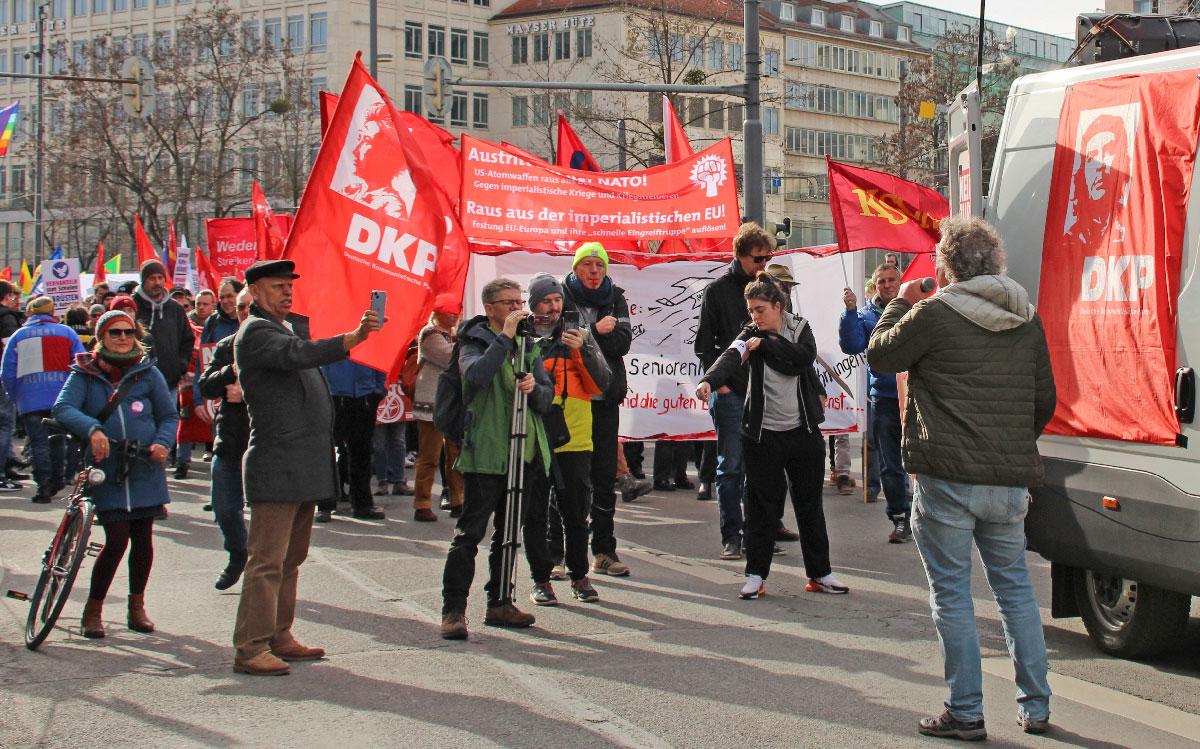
pixel 783 440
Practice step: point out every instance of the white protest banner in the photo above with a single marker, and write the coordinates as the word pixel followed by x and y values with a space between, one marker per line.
pixel 664 305
pixel 184 274
pixel 60 279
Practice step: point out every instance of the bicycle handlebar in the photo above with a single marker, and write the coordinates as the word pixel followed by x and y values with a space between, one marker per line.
pixel 129 448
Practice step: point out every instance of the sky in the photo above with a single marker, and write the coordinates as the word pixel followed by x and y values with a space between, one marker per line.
pixel 1052 16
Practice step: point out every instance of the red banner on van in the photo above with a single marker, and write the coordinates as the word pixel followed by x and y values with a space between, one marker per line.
pixel 1112 252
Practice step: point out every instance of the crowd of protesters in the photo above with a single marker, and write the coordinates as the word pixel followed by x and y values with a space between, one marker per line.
pixel 222 370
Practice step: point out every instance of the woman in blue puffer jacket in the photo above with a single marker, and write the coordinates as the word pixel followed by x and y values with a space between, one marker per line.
pixel 146 415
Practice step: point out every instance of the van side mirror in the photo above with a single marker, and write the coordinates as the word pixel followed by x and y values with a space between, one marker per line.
pixel 1185 394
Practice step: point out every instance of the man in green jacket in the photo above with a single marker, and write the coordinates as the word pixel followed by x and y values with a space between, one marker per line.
pixel 980 391
pixel 487 361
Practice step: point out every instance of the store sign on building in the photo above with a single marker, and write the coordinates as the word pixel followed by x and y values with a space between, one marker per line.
pixel 550 24
pixel 50 24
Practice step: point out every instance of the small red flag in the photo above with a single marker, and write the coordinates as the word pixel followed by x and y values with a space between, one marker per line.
pixel 571 152
pixel 875 210
pixel 208 275
pixel 329 103
pixel 270 241
pixel 922 266
pixel 101 273
pixel 6 274
pixel 145 250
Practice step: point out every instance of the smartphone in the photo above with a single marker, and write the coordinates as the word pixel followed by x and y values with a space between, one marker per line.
pixel 379 304
pixel 570 319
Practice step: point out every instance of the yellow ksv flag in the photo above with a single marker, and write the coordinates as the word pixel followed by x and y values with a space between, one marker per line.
pixel 26 278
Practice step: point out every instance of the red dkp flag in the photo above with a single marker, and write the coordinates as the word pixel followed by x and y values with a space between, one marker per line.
pixel 1111 253
pixel 145 250
pixel 875 210
pixel 371 218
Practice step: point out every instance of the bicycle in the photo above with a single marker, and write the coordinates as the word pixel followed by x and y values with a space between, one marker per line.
pixel 61 562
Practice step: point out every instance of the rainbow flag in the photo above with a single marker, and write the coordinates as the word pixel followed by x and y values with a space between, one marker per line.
pixel 26 278
pixel 8 121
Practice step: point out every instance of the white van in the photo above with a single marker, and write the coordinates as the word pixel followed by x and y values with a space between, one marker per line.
pixel 1129 565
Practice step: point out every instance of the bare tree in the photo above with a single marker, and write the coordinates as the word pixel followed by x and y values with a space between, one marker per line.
pixel 917 149
pixel 225 98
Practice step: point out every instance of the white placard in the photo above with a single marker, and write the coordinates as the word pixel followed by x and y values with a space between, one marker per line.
pixel 60 278
pixel 664 304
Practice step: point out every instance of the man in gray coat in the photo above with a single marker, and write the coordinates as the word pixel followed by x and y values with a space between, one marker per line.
pixel 288 466
pixel 980 391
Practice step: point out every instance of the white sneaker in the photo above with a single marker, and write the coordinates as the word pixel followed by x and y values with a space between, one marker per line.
pixel 753 588
pixel 827 584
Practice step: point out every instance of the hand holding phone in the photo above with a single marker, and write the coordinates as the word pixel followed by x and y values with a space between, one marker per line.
pixel 379 305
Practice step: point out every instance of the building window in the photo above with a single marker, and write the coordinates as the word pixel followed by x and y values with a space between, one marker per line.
pixel 562 45
pixel 295 33
pixel 412 40
pixel 716 54
pixel 818 17
pixel 918 21
pixel 139 4
pixel 941 26
pixel 58 9
pixel 479 111
pixel 771 62
pixel 18 60
pixel 583 43
pixel 98 6
pixel 520 49
pixel 541 47
pixel 480 44
pixel 317 32
pixel 771 120
pixel 412 99
pixel 458 109
pixel 735 118
pixel 735 56
pixel 437 41
pixel 458 46
pixel 273 33
pixel 520 113
pixel 848 23
pixel 17 185
pixel 876 28
pixel 902 34
pixel 583 101
pixel 696 111
pixel 787 12
pixel 1053 53
pixel 316 85
pixel 78 8
pixel 541 109
pixel 483 3
pixel 250 36
pixel 250 107
pixel 716 114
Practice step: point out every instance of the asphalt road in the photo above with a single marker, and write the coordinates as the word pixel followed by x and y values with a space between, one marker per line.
pixel 668 657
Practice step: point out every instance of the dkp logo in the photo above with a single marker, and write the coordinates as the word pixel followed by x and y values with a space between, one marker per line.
pixel 1116 279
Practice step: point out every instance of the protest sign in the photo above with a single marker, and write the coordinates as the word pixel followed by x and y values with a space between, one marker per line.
pixel 61 281
pixel 509 196
pixel 664 306
pixel 233 243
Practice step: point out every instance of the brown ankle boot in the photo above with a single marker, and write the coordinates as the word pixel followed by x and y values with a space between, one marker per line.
pixel 138 621
pixel 91 624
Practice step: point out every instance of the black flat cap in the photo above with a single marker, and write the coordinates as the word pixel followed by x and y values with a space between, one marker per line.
pixel 271 269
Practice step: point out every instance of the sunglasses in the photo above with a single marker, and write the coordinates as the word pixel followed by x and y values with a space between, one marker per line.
pixel 121 332
pixel 761 258
pixel 509 302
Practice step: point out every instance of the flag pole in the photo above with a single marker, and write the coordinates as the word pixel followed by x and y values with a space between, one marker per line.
pixel 979 59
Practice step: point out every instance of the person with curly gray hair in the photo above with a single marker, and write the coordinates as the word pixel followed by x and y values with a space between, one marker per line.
pixel 980 392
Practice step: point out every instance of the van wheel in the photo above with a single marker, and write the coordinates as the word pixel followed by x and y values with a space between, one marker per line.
pixel 1129 619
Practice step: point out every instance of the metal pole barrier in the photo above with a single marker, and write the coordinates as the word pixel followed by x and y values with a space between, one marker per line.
pixel 752 133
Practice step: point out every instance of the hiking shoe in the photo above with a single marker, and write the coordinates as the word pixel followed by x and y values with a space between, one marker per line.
pixel 827 584
pixel 845 485
pixel 558 571
pixel 1033 725
pixel 783 533
pixel 181 471
pixel 8 485
pixel 454 626
pixel 731 550
pixel 901 533
pixel 445 503
pixel 43 495
pixel 778 551
pixel 507 615
pixel 425 515
pixel 543 595
pixel 608 564
pixel 945 727
pixel 583 591
pixel 754 588
pixel 632 488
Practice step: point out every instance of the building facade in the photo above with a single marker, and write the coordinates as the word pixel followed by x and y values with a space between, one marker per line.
pixel 1159 7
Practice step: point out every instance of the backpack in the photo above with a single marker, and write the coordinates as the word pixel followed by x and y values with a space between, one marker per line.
pixel 449 406
pixel 408 372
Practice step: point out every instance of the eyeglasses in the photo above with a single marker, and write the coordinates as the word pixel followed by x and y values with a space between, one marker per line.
pixel 121 332
pixel 760 259
pixel 508 302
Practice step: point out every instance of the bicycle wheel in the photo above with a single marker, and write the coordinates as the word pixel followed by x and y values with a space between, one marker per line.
pixel 58 574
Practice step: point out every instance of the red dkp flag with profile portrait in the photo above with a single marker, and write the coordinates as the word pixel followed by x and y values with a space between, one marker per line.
pixel 372 218
pixel 1112 250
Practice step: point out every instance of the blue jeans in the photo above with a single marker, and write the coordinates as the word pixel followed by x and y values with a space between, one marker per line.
pixel 49 455
pixel 726 412
pixel 871 471
pixel 946 517
pixel 8 419
pixel 388 449
pixel 228 504
pixel 886 415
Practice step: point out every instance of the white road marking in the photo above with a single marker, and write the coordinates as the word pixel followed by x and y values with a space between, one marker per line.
pixel 587 715
pixel 1110 701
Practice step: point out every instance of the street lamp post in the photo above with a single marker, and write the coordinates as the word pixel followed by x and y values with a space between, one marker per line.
pixel 40 137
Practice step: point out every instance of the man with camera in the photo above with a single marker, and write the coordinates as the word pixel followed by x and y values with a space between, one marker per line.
pixel 487 360
pixel 579 372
